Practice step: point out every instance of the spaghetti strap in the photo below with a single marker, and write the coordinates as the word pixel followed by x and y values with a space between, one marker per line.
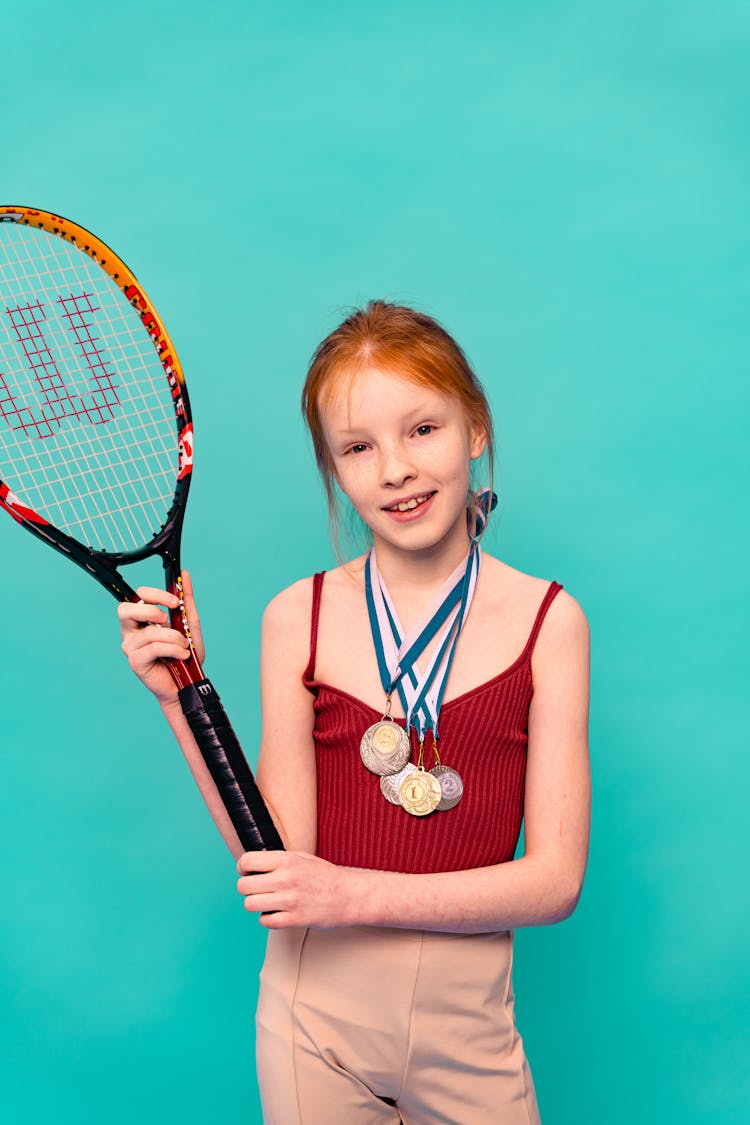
pixel 308 674
pixel 553 590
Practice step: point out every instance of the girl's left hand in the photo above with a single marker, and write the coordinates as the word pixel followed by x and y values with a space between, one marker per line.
pixel 293 889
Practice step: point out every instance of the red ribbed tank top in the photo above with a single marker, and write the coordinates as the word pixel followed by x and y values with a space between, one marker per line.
pixel 483 734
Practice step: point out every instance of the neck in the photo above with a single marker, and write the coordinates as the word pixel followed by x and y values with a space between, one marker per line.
pixel 422 571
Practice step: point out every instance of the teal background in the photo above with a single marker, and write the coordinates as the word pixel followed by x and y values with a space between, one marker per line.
pixel 565 185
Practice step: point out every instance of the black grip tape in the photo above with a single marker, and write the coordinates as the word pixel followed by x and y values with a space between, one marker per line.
pixel 232 775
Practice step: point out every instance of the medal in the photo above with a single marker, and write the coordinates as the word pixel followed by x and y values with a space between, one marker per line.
pixel 450 781
pixel 391 783
pixel 420 792
pixel 385 748
pixel 451 786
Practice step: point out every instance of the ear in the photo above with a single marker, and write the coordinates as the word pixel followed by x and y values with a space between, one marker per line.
pixel 477 441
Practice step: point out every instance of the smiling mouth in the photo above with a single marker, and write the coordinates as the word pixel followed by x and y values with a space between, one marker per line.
pixel 409 505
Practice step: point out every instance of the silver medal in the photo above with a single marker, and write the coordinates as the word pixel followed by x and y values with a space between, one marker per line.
pixel 451 785
pixel 385 747
pixel 390 784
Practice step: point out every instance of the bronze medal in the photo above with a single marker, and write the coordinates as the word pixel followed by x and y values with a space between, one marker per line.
pixel 451 786
pixel 419 792
pixel 385 747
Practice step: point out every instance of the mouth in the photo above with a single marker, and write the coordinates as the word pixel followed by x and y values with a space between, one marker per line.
pixel 410 503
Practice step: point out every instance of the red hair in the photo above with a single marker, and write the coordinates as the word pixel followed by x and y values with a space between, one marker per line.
pixel 397 339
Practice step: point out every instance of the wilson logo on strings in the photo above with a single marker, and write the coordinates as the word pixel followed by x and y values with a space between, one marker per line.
pixel 57 402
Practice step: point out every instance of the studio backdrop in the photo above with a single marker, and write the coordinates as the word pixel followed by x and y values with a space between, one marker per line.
pixel 564 186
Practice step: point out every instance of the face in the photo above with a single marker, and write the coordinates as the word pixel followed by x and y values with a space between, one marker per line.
pixel 401 452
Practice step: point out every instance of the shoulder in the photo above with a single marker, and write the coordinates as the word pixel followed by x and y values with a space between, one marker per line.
pixel 298 596
pixel 290 610
pixel 563 643
pixel 564 621
pixel 285 630
pixel 289 604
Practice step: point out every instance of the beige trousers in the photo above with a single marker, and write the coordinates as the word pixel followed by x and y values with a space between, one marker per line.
pixel 368 1025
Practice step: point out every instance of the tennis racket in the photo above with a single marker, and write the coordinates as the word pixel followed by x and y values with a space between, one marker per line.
pixel 96 446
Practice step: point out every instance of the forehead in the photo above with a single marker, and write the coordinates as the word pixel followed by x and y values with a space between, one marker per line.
pixel 353 396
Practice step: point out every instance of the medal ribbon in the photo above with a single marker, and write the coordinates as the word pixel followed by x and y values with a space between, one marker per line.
pixel 421 693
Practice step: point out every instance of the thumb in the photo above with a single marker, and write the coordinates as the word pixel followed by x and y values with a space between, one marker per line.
pixel 192 614
pixel 187 584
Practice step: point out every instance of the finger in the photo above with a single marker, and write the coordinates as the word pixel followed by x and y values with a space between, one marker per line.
pixel 193 617
pixel 250 863
pixel 187 585
pixel 135 614
pixel 260 904
pixel 189 597
pixel 157 650
pixel 260 884
pixel 155 596
pixel 278 920
pixel 142 637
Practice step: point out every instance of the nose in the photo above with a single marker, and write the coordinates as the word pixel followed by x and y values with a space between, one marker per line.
pixel 396 466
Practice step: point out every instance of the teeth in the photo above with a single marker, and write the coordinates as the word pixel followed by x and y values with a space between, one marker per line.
pixel 409 505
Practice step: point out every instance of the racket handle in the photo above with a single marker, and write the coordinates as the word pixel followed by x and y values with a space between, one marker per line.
pixel 232 775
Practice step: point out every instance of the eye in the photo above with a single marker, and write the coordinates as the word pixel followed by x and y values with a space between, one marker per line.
pixel 425 429
pixel 360 447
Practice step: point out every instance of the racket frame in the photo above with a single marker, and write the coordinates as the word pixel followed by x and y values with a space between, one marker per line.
pixel 200 702
pixel 102 565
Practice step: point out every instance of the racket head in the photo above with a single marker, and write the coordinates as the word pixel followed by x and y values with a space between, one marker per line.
pixel 96 431
pixel 65 382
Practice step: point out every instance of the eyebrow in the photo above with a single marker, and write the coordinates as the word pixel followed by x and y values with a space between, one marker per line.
pixel 423 410
pixel 347 433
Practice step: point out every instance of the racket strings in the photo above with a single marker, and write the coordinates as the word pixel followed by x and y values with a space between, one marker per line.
pixel 78 312
pixel 87 425
pixel 27 323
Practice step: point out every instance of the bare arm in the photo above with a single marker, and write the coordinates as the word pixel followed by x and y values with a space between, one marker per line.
pixel 286 766
pixel 204 781
pixel 145 641
pixel 541 887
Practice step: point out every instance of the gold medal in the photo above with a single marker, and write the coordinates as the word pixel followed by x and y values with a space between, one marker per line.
pixel 451 786
pixel 385 747
pixel 420 792
pixel 385 738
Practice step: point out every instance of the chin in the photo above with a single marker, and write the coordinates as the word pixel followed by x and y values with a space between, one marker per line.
pixel 416 537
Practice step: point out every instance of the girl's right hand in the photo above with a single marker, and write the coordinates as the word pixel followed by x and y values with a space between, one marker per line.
pixel 146 638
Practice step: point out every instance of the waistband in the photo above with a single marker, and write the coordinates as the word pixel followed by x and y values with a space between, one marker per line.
pixel 405 934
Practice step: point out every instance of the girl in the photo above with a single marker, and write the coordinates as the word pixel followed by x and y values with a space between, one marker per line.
pixel 386 993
